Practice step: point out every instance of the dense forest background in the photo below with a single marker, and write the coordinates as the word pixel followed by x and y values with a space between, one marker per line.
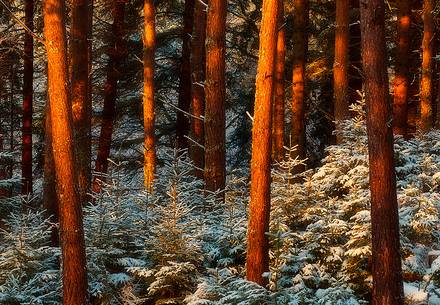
pixel 150 222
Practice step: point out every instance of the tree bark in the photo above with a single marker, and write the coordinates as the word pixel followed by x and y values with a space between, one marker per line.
pixel 427 64
pixel 215 91
pixel 71 226
pixel 50 202
pixel 198 62
pixel 386 262
pixel 300 24
pixel 81 104
pixel 28 77
pixel 116 54
pixel 278 103
pixel 401 80
pixel 149 46
pixel 184 101
pixel 340 66
pixel 257 259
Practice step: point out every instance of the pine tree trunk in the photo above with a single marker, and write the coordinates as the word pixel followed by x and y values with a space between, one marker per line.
pixel 110 93
pixel 401 81
pixel 50 202
pixel 257 259
pixel 183 123
pixel 71 226
pixel 215 91
pixel 198 62
pixel 81 103
pixel 340 66
pixel 149 46
pixel 386 263
pixel 28 76
pixel 300 24
pixel 278 104
pixel 427 64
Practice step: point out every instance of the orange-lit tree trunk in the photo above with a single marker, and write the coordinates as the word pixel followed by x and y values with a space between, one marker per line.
pixel 401 81
pixel 278 103
pixel 386 264
pixel 149 45
pixel 70 214
pixel 28 76
pixel 340 66
pixel 81 103
pixel 300 24
pixel 427 64
pixel 183 124
pixel 215 91
pixel 197 90
pixel 50 202
pixel 257 257
pixel 110 92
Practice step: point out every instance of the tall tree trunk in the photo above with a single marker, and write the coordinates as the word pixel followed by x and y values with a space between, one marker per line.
pixel 401 80
pixel 28 76
pixel 427 64
pixel 149 46
pixel 386 263
pixel 257 259
pixel 215 91
pixel 110 92
pixel 298 133
pixel 340 66
pixel 81 104
pixel 278 103
pixel 198 62
pixel 50 202
pixel 183 124
pixel 71 226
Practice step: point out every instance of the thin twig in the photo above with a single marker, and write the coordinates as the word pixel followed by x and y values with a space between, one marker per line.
pixel 23 25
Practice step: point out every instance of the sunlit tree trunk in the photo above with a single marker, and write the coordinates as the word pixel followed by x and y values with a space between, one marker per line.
pixel 215 91
pixel 70 214
pixel 257 258
pixel 427 64
pixel 149 45
pixel 340 66
pixel 401 81
pixel 184 101
pixel 110 92
pixel 278 103
pixel 198 62
pixel 300 24
pixel 386 264
pixel 81 103
pixel 28 76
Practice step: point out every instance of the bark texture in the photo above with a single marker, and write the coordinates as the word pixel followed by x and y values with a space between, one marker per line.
pixel 401 80
pixel 149 46
pixel 386 262
pixel 340 66
pixel 300 24
pixel 183 123
pixel 427 65
pixel 28 77
pixel 116 54
pixel 81 103
pixel 71 226
pixel 278 102
pixel 198 62
pixel 215 91
pixel 257 258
